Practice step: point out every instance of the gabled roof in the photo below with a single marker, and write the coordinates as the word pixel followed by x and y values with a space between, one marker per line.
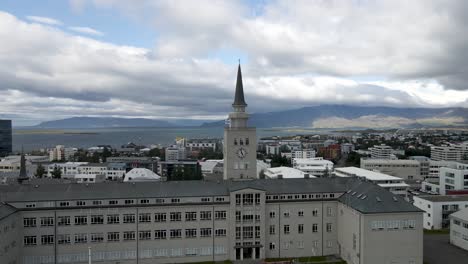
pixel 369 198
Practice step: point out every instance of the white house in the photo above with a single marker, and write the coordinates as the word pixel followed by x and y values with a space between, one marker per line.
pixel 286 173
pixel 438 208
pixel 316 166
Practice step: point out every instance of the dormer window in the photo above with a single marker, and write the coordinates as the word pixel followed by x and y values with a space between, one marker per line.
pixel 241 142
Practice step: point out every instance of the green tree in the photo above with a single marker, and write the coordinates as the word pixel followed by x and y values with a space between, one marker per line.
pixel 40 171
pixel 56 173
pixel 105 154
pixel 278 161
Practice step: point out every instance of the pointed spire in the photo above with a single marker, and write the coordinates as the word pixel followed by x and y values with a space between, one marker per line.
pixel 22 175
pixel 239 96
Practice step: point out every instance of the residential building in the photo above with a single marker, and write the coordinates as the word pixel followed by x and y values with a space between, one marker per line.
pixel 240 141
pixel 437 208
pixel 201 144
pixel 303 154
pixel 273 149
pixel 381 152
pixel 68 169
pixel 452 152
pixel 330 152
pixel 167 168
pixel 405 169
pixel 175 153
pixel 317 166
pixel 136 162
pixel 89 178
pixel 453 178
pixel 459 229
pixel 6 139
pixel 347 148
pixel 197 221
pixel 61 153
pixel 391 183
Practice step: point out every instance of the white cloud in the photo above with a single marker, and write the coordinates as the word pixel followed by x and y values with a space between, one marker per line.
pixel 86 30
pixel 45 20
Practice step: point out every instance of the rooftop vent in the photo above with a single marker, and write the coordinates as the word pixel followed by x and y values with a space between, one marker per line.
pixel 363 197
pixel 359 195
pixel 36 186
pixel 395 199
pixel 353 193
pixel 378 199
pixel 348 191
pixel 280 176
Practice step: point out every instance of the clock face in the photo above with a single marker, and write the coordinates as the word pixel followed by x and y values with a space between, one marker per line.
pixel 241 153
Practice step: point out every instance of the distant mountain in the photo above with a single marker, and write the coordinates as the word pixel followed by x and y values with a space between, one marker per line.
pixel 104 122
pixel 343 116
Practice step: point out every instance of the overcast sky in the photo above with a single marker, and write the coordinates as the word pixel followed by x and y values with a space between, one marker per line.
pixel 177 59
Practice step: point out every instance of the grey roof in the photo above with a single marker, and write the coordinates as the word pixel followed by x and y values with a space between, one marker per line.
pixel 369 198
pixel 6 210
pixel 239 96
pixel 444 198
pixel 462 214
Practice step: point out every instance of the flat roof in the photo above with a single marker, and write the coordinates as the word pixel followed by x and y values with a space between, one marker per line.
pixel 370 175
pixel 287 172
pixel 444 198
pixel 390 161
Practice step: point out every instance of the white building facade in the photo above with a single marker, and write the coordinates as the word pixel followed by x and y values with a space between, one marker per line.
pixel 437 209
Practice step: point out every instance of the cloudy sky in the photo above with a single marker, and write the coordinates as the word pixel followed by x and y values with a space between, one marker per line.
pixel 177 59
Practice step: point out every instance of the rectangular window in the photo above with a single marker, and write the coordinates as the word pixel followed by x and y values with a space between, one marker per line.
pixel 29 222
pixel 272 230
pixel 113 219
pixel 247 198
pixel 286 214
pixel 129 201
pixel 112 202
pixel 329 244
pixel 205 232
pixel 64 204
pixel 159 201
pixel 329 227
pixel 128 218
pixel 97 219
pixel 160 217
pixel 314 228
pixel 315 212
pixel 80 203
pixel 205 215
pixel 272 214
pixel 300 229
pixel 286 229
pixel 128 235
pixel 272 246
pixel 176 216
pixel 81 220
pixel 190 216
pixel 97 237
pixel 257 231
pixel 47 239
pixel 247 232
pixel 175 200
pixel 144 218
pixel 30 240
pixel 329 211
pixel 47 221
pixel 97 202
pixel 257 198
pixel 63 239
pixel 220 215
pixel 238 232
pixel 81 238
pixel 220 232
pixel 300 244
pixel 300 213
pixel 63 220
pixel 175 233
pixel 144 235
pixel 113 236
pixel 190 233
pixel 238 199
pixel 159 234
pixel 144 201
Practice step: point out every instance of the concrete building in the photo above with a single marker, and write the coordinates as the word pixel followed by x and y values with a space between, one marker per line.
pixel 317 166
pixel 381 152
pixel 240 141
pixel 459 229
pixel 69 169
pixel 61 153
pixel 6 139
pixel 454 177
pixel 391 183
pixel 89 178
pixel 272 149
pixel 201 144
pixel 136 162
pixel 347 148
pixel 303 154
pixel 175 222
pixel 405 169
pixel 437 208
pixel 452 152
pixel 175 153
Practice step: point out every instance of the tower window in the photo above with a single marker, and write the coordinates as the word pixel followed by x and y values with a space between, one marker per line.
pixel 241 142
pixel 246 141
pixel 235 141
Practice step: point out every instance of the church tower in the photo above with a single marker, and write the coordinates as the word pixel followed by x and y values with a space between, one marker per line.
pixel 240 141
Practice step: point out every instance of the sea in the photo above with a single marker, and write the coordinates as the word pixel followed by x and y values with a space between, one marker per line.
pixel 35 138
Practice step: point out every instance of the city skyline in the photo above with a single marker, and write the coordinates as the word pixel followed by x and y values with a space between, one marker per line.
pixel 109 58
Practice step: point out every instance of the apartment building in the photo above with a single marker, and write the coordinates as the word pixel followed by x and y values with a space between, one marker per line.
pixel 437 208
pixel 454 177
pixel 454 152
pixel 381 152
pixel 303 154
pixel 195 221
pixel 62 153
pixel 69 169
pixel 405 169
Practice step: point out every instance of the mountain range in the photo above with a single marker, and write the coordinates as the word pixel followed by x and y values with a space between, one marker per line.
pixel 323 116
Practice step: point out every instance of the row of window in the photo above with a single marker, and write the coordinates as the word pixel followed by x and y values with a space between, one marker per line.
pixel 300 213
pixel 300 244
pixel 300 196
pixel 241 141
pixel 113 256
pixel 300 229
pixel 393 225
pixel 247 232
pixel 248 198
pixel 126 218
pixel 124 236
